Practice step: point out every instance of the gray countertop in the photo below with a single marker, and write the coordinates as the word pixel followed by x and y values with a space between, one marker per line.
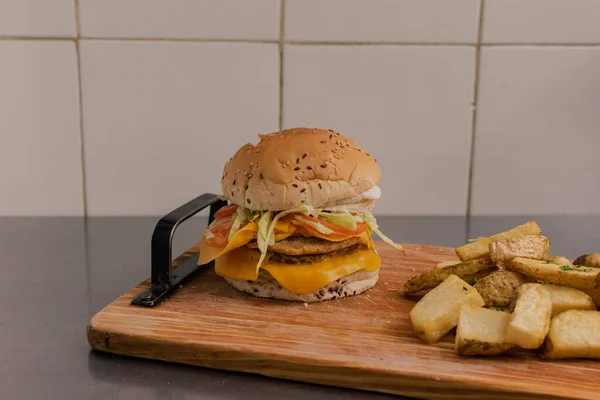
pixel 58 272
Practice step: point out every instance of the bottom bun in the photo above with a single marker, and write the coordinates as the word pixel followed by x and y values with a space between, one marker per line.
pixel 267 287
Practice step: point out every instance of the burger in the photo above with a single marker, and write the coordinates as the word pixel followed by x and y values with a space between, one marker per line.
pixel 298 225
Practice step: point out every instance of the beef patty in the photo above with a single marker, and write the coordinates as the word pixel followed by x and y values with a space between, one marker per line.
pixel 312 258
pixel 302 246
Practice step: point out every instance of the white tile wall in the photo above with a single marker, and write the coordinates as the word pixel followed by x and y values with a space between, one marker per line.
pixel 167 98
pixel 40 155
pixel 186 19
pixel 420 21
pixel 538 132
pixel 55 18
pixel 160 119
pixel 424 160
pixel 541 21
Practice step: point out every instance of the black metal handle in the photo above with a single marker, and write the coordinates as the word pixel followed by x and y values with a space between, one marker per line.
pixel 163 283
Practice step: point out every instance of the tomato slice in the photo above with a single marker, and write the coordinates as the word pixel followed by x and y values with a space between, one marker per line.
pixel 220 227
pixel 337 229
pixel 226 211
pixel 218 240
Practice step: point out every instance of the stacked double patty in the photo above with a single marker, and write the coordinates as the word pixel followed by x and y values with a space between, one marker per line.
pixel 307 250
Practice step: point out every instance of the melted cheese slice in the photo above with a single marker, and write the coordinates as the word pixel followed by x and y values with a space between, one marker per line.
pixel 305 278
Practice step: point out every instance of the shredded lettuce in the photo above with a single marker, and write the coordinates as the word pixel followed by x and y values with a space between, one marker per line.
pixel 262 238
pixel 344 220
pixel 240 218
pixel 373 227
pixel 322 229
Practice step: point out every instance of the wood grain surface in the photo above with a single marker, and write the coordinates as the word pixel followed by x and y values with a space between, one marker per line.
pixel 364 342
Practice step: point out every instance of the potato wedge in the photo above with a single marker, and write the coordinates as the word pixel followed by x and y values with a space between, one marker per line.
pixel 499 288
pixel 589 260
pixel 566 298
pixel 573 334
pixel 480 247
pixel 566 275
pixel 438 311
pixel 445 264
pixel 530 320
pixel 559 260
pixel 481 332
pixel 530 246
pixel 594 294
pixel 465 270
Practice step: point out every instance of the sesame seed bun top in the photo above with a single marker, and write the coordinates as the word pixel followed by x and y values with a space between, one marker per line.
pixel 299 166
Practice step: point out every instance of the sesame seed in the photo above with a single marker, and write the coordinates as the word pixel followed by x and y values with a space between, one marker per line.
pixel 323 141
pixel 238 170
pixel 251 163
pixel 330 136
pixel 296 169
pixel 320 187
pixel 232 193
pixel 301 201
pixel 234 182
pixel 294 185
pixel 330 130
pixel 249 176
pixel 368 154
pixel 298 160
pixel 261 175
pixel 309 167
pixel 359 150
pixel 304 155
pixel 248 201
pixel 323 165
pixel 303 190
pixel 246 188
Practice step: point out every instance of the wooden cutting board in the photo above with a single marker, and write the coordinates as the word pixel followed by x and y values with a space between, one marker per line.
pixel 364 342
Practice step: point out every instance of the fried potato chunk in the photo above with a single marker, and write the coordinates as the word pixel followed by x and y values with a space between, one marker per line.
pixel 573 334
pixel 480 247
pixel 531 246
pixel 465 270
pixel 566 275
pixel 499 288
pixel 530 320
pixel 566 298
pixel 438 311
pixel 481 331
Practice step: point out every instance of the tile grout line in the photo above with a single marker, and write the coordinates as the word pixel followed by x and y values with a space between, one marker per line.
pixel 292 42
pixel 180 40
pixel 81 135
pixel 281 55
pixel 474 112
